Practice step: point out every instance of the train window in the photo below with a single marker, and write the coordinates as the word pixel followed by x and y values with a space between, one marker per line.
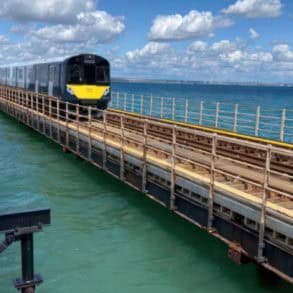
pixel 89 73
pixel 102 74
pixel 75 74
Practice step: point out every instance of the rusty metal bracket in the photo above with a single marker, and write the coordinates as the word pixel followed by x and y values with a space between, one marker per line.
pixel 235 253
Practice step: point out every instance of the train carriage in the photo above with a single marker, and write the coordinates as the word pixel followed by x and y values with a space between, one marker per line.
pixel 83 79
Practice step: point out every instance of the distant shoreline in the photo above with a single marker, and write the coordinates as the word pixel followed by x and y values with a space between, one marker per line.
pixel 190 82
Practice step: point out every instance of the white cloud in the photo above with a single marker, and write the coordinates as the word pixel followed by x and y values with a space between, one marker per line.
pixel 58 11
pixel 3 40
pixel 282 53
pixel 150 51
pixel 223 60
pixel 94 27
pixel 255 8
pixel 193 25
pixel 197 46
pixel 253 34
pixel 223 46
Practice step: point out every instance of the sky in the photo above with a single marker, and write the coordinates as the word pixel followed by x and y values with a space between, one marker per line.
pixel 210 40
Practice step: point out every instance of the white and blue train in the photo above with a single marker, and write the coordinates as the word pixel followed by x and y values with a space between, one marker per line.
pixel 83 79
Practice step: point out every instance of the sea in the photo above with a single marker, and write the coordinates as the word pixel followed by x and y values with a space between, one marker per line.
pixel 106 237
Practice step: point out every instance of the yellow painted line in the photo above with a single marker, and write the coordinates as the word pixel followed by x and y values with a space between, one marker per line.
pixel 213 130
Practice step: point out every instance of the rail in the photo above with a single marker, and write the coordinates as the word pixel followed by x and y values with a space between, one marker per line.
pixel 257 121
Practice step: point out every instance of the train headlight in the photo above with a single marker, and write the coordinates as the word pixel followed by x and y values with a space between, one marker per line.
pixel 70 91
pixel 107 91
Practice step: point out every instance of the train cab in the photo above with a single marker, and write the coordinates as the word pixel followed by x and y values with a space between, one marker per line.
pixel 88 80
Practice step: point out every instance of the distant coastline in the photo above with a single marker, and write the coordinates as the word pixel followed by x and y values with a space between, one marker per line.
pixel 190 82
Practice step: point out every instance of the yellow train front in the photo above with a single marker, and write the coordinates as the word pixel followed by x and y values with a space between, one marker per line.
pixel 87 81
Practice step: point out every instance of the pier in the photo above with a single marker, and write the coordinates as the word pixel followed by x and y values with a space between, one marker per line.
pixel 238 188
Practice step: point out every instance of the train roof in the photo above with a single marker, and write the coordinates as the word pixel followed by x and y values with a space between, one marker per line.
pixel 45 61
pixel 39 61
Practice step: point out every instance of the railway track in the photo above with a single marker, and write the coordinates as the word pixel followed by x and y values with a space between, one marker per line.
pixel 238 151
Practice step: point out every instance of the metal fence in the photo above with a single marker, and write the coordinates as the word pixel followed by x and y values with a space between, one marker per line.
pixel 258 121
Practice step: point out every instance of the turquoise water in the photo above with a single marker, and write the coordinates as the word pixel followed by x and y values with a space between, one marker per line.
pixel 265 96
pixel 105 237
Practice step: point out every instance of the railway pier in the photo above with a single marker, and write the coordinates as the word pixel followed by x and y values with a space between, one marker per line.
pixel 239 188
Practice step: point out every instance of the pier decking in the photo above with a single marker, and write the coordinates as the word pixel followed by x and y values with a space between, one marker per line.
pixel 238 188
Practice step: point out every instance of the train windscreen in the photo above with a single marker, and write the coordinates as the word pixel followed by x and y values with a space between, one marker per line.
pixel 88 73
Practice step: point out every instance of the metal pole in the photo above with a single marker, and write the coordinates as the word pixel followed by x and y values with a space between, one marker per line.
pixel 235 118
pixel 151 105
pixel 200 112
pixel 122 148
pixel 27 261
pixel 173 172
pixel 141 104
pixel 212 183
pixel 186 110
pixel 118 100
pixel 67 119
pixel 161 107
pixel 217 114
pixel 262 221
pixel 257 116
pixel 124 106
pixel 173 108
pixel 282 128
pixel 144 167
pixel 132 103
pixel 90 133
pixel 104 140
pixel 77 131
pixel 58 118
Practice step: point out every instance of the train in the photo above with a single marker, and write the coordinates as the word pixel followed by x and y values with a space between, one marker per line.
pixel 82 79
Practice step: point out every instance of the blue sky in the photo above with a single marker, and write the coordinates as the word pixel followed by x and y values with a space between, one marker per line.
pixel 228 40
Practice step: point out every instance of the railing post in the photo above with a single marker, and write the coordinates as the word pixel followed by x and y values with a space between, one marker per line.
pixel 118 100
pixel 173 170
pixel 122 147
pixel 217 114
pixel 161 107
pixel 144 166
pixel 141 104
pixel 77 130
pixel 58 119
pixel 257 117
pixel 32 107
pixel 235 118
pixel 212 183
pixel 262 221
pixel 151 105
pixel 67 119
pixel 282 128
pixel 90 133
pixel 104 140
pixel 132 103
pixel 186 110
pixel 124 106
pixel 200 112
pixel 173 108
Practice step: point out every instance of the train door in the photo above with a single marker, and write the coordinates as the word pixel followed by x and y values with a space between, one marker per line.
pixel 51 79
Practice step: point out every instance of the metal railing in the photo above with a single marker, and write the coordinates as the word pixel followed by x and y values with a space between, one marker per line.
pixel 276 124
